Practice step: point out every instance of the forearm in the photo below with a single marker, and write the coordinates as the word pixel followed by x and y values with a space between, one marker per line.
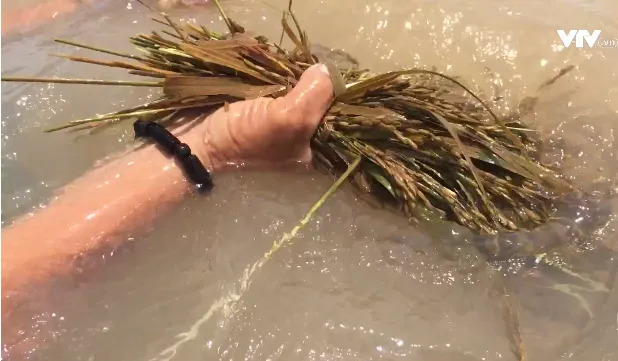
pixel 104 206
pixel 126 195
pixel 37 14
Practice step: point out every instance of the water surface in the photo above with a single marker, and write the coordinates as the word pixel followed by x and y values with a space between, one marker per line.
pixel 358 284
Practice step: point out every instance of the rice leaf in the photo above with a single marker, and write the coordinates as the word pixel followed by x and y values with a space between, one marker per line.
pixel 290 33
pixel 533 170
pixel 471 166
pixel 511 320
pixel 360 89
pixel 217 57
pixel 262 57
pixel 182 87
pixel 82 81
pixel 90 47
pixel 115 64
pixel 234 27
pixel 374 172
pixel 228 44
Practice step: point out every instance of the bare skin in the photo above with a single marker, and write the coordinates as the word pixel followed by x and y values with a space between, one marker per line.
pixel 38 14
pixel 104 206
pixel 258 133
pixel 45 11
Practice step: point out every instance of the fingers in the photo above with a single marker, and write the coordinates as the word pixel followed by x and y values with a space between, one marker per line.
pixel 305 105
pixel 271 130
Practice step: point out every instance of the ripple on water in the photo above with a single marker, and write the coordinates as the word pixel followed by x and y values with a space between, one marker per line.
pixel 356 284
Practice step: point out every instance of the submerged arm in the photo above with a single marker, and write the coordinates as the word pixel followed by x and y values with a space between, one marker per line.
pixel 103 206
pixel 36 14
pixel 126 195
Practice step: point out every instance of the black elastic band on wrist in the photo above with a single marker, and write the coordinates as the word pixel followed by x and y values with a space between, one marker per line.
pixel 191 165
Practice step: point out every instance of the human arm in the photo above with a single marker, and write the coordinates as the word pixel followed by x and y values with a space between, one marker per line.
pixel 101 207
pixel 36 14
pixel 128 194
pixel 32 15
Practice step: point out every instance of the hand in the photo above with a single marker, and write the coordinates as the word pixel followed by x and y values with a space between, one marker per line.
pixel 266 131
pixel 104 206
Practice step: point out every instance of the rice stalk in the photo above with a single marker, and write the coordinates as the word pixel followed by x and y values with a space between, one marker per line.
pixel 416 140
pixel 428 144
pixel 510 315
pixel 229 300
pixel 82 81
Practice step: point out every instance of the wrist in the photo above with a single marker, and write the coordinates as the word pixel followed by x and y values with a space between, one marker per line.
pixel 205 154
pixel 187 150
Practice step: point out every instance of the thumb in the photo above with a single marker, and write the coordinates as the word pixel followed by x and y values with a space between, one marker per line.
pixel 304 107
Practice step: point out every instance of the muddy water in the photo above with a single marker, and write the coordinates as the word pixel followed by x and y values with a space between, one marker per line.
pixel 357 284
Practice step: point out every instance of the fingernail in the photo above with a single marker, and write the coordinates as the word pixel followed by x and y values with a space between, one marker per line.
pixel 323 68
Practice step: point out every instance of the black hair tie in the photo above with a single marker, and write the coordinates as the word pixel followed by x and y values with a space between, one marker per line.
pixel 191 165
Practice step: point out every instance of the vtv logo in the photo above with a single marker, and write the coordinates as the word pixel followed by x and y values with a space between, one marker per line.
pixel 579 36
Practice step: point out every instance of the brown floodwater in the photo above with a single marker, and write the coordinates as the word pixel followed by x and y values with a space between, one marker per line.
pixel 358 283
